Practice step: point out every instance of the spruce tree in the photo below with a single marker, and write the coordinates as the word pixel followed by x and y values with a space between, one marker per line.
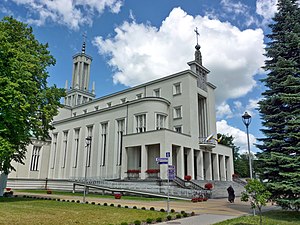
pixel 280 107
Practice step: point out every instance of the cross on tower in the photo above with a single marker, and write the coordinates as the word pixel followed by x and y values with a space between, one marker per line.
pixel 197 34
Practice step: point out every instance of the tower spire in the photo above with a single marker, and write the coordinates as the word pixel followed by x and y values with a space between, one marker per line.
pixel 198 56
pixel 83 44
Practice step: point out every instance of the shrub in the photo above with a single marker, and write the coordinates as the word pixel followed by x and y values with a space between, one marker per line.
pixel 192 213
pixel 143 208
pixel 63 200
pixel 105 204
pixel 134 207
pixel 159 219
pixel 162 210
pixel 208 186
pixel 93 203
pixel 137 222
pixel 119 206
pixel 169 217
pixel 182 212
pixel 178 216
pixel 126 206
pixel 112 204
pixel 152 208
pixel 124 223
pixel 78 201
pixel 86 202
pixel 172 210
pixel 58 199
pixel 185 214
pixel 73 200
pixel 99 203
pixel 149 220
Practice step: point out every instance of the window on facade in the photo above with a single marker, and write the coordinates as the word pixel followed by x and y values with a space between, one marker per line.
pixel 178 129
pixel 54 148
pixel 85 111
pixel 177 112
pixel 160 121
pixel 96 108
pixel 35 157
pixel 65 147
pixel 141 123
pixel 104 131
pixel 109 104
pixel 177 88
pixel 76 147
pixel 74 114
pixel 156 92
pixel 123 100
pixel 120 132
pixel 138 96
pixel 89 145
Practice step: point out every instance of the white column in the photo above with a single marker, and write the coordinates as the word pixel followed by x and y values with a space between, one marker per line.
pixel 190 161
pixel 200 175
pixel 229 166
pixel 124 163
pixel 222 168
pixel 144 161
pixel 208 166
pixel 215 159
pixel 180 162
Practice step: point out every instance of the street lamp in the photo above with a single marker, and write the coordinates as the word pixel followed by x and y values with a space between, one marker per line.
pixel 88 147
pixel 247 120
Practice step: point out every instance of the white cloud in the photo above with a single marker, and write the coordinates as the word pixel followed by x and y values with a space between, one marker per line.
pixel 266 9
pixel 240 137
pixel 141 52
pixel 224 111
pixel 72 13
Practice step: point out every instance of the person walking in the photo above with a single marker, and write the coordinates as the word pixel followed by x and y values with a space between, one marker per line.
pixel 231 195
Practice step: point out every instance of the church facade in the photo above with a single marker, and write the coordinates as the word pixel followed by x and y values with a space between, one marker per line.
pixel 126 135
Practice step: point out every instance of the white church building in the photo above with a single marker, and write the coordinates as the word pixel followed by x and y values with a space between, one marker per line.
pixel 122 135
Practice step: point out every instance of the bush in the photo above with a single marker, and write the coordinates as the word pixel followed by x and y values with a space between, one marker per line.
pixel 119 206
pixel 58 199
pixel 152 208
pixel 99 203
pixel 159 219
pixel 105 204
pixel 185 214
pixel 126 206
pixel 134 207
pixel 93 203
pixel 86 202
pixel 172 210
pixel 73 200
pixel 178 216
pixel 182 212
pixel 149 220
pixel 78 201
pixel 63 200
pixel 112 204
pixel 192 213
pixel 137 222
pixel 162 210
pixel 124 223
pixel 169 217
pixel 208 186
pixel 143 208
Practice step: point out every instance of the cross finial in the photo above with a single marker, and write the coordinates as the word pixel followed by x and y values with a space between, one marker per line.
pixel 197 34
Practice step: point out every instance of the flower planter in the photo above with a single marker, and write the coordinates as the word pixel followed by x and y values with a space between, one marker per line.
pixel 117 195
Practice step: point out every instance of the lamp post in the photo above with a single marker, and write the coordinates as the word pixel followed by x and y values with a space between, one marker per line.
pixel 247 120
pixel 88 146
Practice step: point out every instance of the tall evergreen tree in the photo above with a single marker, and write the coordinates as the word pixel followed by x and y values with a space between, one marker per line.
pixel 280 107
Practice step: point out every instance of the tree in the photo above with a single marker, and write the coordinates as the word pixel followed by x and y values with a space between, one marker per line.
pixel 280 107
pixel 27 104
pixel 257 194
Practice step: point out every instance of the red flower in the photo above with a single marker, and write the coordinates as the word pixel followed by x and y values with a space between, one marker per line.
pixel 152 171
pixel 188 177
pixel 208 186
pixel 133 171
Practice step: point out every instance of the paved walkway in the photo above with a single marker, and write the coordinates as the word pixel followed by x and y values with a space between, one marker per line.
pixel 210 212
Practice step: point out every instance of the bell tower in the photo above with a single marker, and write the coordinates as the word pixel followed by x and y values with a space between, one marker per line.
pixel 79 91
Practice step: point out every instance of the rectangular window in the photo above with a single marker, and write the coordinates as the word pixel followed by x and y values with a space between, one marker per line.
pixel 54 148
pixel 156 92
pixel 141 123
pixel 177 112
pixel 120 132
pixel 89 145
pixel 138 96
pixel 104 127
pixel 177 89
pixel 178 129
pixel 76 147
pixel 160 121
pixel 35 157
pixel 65 147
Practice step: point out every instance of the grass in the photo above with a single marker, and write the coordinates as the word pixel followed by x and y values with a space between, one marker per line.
pixel 93 195
pixel 276 217
pixel 35 211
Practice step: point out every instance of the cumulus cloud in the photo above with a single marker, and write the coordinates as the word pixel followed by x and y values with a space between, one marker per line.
pixel 240 137
pixel 141 52
pixel 72 13
pixel 224 111
pixel 266 9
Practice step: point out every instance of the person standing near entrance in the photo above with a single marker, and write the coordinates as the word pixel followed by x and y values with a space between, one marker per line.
pixel 231 195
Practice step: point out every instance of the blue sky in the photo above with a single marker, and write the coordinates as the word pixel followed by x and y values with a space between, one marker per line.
pixel 132 42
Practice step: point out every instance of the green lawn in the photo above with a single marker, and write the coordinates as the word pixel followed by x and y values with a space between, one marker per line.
pixel 35 211
pixel 269 218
